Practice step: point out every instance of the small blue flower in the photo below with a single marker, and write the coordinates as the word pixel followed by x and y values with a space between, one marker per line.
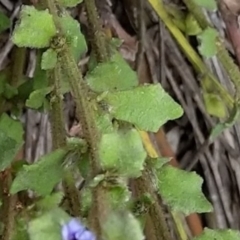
pixel 74 230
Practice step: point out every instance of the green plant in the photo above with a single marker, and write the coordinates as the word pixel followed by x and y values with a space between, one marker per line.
pixel 112 109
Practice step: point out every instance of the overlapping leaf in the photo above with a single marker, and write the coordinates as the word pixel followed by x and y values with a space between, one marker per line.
pixel 11 139
pixel 42 176
pixel 49 59
pixel 75 38
pixel 36 28
pixel 47 226
pixel 113 75
pixel 122 151
pixel 122 226
pixel 148 107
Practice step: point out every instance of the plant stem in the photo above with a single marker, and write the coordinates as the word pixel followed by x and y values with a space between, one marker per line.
pixel 56 110
pixel 191 54
pixel 59 136
pixel 96 33
pixel 223 55
pixel 90 131
pixel 156 226
pixel 19 57
pixel 87 118
pixel 9 203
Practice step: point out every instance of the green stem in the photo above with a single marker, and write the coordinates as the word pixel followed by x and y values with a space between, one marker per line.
pixel 98 40
pixel 191 54
pixel 87 118
pixel 227 62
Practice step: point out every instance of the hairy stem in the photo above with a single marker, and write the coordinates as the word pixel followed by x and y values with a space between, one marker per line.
pixel 59 136
pixel 19 57
pixel 87 118
pixel 56 110
pixel 156 226
pixel 223 55
pixel 96 34
pixel 191 54
pixel 8 208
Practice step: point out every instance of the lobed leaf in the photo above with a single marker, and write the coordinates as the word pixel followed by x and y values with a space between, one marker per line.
pixel 182 190
pixel 36 28
pixel 42 176
pixel 148 107
pixel 221 234
pixel 113 75
pixel 123 151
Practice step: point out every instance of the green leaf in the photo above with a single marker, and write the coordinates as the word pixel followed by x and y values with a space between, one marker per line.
pixel 47 226
pixel 40 79
pixel 192 26
pixel 214 105
pixel 13 128
pixel 36 28
pixel 4 22
pixel 208 4
pixel 221 234
pixel 182 190
pixel 220 127
pixel 51 201
pixel 75 38
pixel 38 97
pixel 104 123
pixel 120 149
pixel 122 226
pixel 118 193
pixel 69 3
pixel 9 148
pixel 113 75
pixel 10 91
pixel 42 176
pixel 20 230
pixel 159 162
pixel 11 139
pixel 148 107
pixel 208 46
pixel 49 59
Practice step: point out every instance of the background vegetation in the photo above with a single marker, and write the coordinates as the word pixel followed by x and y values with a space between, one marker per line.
pixel 121 114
